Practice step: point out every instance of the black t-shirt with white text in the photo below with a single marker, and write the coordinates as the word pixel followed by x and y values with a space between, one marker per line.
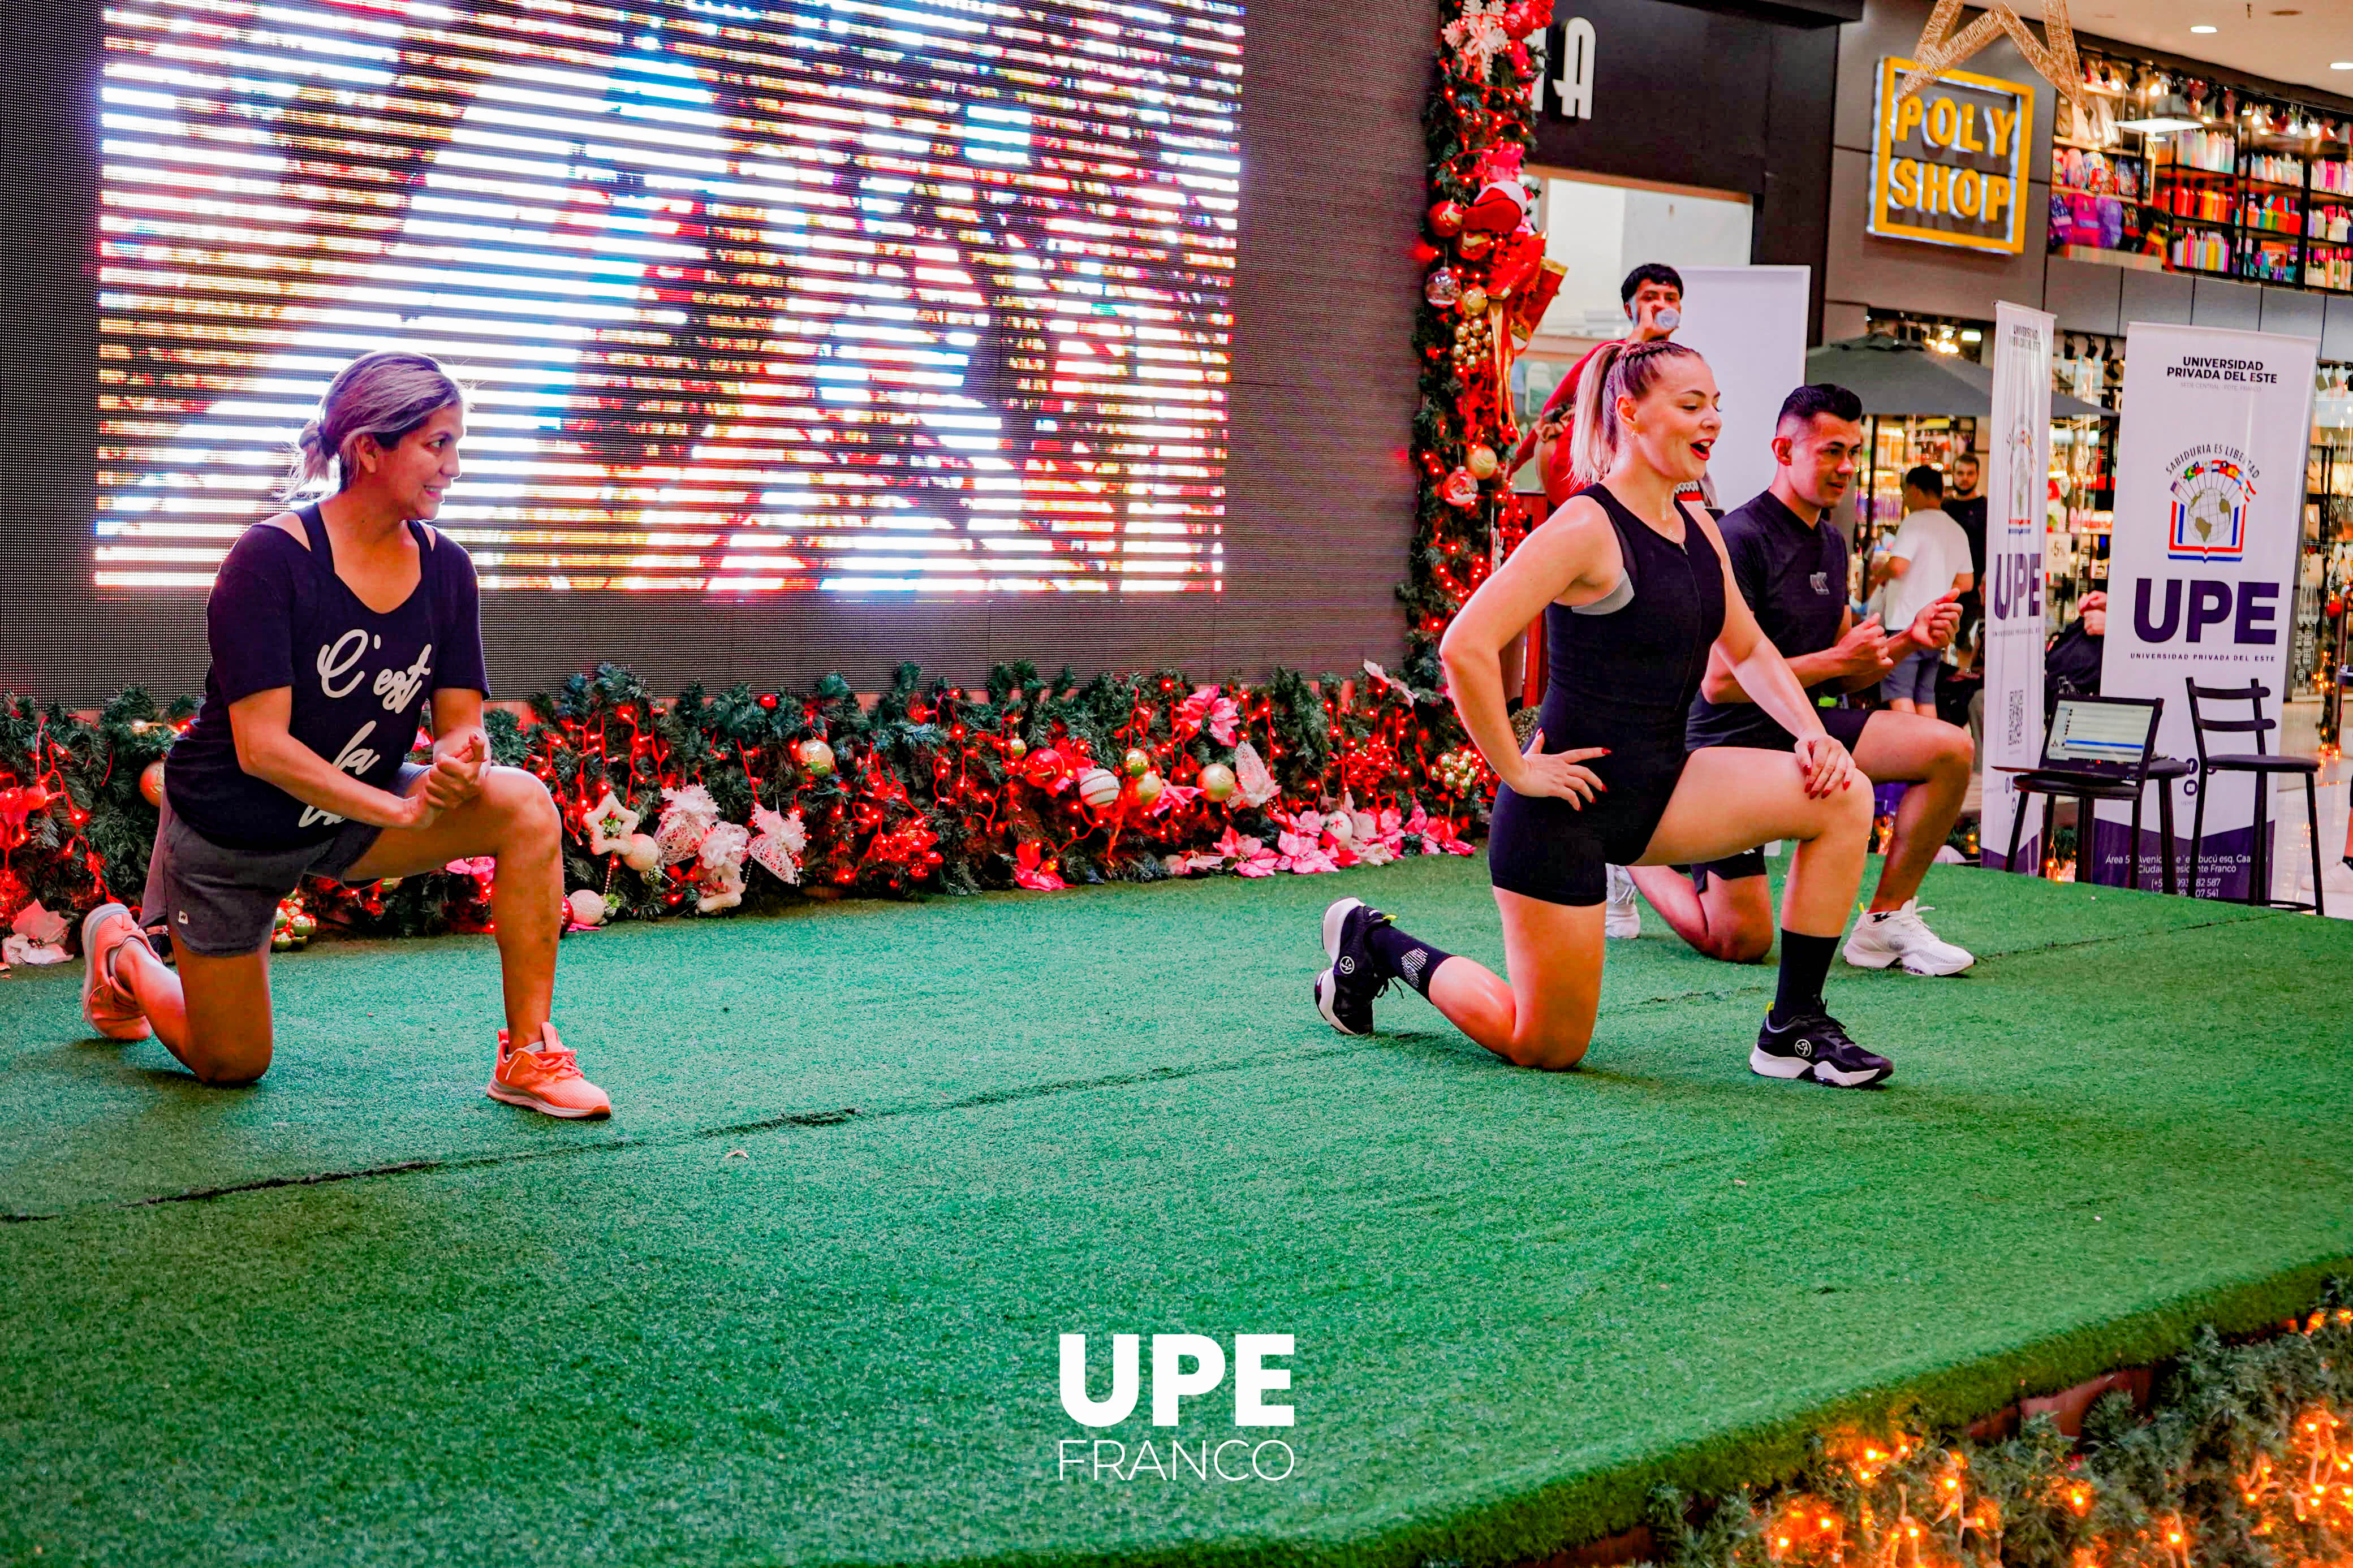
pixel 1793 575
pixel 279 615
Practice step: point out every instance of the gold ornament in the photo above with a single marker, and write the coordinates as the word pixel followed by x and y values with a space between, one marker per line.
pixel 1474 301
pixel 1482 462
pixel 1942 49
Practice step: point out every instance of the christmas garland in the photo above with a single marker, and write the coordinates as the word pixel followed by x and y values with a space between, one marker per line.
pixel 752 798
pixel 2245 1461
pixel 1485 286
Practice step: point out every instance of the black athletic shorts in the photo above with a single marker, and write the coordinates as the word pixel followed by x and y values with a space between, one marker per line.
pixel 1545 847
pixel 1845 726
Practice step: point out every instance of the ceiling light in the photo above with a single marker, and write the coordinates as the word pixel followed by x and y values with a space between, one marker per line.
pixel 2158 125
pixel 2201 27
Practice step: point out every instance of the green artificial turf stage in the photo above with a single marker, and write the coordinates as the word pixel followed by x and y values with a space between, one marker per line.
pixel 966 1127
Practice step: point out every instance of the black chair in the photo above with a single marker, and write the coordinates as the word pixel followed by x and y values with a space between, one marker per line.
pixel 2264 765
pixel 2112 776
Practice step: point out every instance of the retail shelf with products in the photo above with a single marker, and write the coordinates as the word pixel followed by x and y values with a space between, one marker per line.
pixel 2329 268
pixel 2261 192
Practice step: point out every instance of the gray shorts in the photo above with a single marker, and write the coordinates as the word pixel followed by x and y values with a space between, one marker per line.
pixel 1914 679
pixel 221 902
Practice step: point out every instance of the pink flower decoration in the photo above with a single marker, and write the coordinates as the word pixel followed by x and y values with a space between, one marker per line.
pixel 482 866
pixel 1209 707
pixel 1173 796
pixel 1300 854
pixel 1030 869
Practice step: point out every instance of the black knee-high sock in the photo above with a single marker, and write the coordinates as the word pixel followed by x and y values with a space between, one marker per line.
pixel 1805 965
pixel 1408 958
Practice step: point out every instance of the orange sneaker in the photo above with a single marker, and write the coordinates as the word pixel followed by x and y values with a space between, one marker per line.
pixel 545 1078
pixel 109 1008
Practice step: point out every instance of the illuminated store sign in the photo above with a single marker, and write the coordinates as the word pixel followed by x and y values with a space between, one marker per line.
pixel 1948 164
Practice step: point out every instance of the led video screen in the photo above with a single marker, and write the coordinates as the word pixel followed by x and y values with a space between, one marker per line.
pixel 827 296
pixel 801 337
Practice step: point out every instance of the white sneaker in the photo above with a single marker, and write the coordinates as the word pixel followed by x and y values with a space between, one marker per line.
pixel 1900 936
pixel 1620 917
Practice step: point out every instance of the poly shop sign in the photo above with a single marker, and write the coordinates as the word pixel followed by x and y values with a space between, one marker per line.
pixel 1948 164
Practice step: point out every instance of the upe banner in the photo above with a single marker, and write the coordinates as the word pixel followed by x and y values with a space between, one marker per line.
pixel 2017 509
pixel 2210 504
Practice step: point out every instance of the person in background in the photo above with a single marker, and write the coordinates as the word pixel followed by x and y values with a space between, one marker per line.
pixel 1928 559
pixel 2071 664
pixel 1967 507
pixel 1653 298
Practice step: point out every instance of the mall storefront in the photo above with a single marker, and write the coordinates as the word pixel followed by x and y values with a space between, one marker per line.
pixel 2189 194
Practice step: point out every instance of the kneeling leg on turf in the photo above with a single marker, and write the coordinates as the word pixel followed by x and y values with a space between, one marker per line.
pixel 1731 919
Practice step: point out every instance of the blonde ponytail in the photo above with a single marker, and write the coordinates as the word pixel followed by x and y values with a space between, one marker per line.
pixel 1594 435
pixel 1615 371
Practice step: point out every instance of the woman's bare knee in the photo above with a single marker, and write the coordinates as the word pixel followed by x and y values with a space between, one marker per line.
pixel 1556 1050
pixel 529 822
pixel 233 1067
pixel 1849 810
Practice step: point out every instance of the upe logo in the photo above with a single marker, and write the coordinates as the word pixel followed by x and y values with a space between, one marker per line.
pixel 2207 520
pixel 1183 1367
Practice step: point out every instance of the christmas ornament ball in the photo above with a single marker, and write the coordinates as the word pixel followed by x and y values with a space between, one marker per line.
pixel 1138 761
pixel 1441 291
pixel 588 907
pixel 1217 782
pixel 1148 789
pixel 1338 825
pixel 643 854
pixel 1017 748
pixel 1045 764
pixel 1460 489
pixel 1474 301
pixel 1098 787
pixel 151 782
pixel 816 757
pixel 1446 218
pixel 1482 462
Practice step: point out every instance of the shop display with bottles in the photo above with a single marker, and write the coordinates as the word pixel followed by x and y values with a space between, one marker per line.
pixel 2176 174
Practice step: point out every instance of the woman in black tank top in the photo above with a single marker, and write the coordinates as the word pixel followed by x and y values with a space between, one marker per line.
pixel 1637 600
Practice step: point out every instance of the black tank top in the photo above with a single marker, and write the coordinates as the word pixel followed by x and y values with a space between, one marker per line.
pixel 1625 678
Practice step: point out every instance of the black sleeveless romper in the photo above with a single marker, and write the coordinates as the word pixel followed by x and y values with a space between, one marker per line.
pixel 1622 678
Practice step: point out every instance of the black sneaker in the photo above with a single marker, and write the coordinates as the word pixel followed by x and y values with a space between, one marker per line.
pixel 1345 992
pixel 1816 1047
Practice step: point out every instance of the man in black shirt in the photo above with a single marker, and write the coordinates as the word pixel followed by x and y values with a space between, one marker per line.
pixel 1965 506
pixel 1791 561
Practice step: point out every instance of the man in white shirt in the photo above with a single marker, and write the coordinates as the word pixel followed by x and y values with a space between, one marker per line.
pixel 1928 558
